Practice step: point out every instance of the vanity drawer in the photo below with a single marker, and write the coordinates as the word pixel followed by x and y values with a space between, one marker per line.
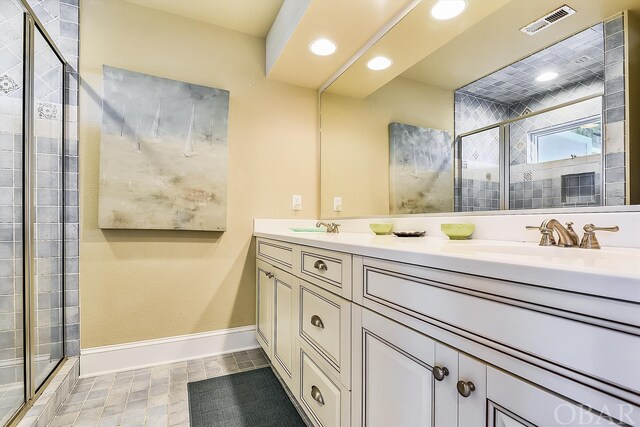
pixel 561 338
pixel 325 400
pixel 328 269
pixel 325 325
pixel 279 254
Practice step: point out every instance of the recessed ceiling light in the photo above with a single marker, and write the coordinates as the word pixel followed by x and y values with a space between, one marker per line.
pixel 379 63
pixel 447 9
pixel 322 47
pixel 545 77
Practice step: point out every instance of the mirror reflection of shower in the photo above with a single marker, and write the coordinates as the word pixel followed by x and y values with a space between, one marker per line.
pixel 531 134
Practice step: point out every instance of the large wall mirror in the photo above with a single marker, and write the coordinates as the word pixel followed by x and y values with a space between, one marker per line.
pixel 512 105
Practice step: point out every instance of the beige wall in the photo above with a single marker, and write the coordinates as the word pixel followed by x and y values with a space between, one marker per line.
pixel 138 285
pixel 355 141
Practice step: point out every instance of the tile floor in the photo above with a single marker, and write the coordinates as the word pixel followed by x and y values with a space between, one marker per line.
pixel 11 397
pixel 154 396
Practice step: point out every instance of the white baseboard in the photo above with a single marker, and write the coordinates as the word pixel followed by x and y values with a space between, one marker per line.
pixel 142 354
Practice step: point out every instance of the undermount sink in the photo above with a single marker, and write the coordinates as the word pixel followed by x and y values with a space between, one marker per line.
pixel 574 256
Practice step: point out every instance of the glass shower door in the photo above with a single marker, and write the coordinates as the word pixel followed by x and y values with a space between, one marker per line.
pixel 12 386
pixel 47 242
pixel 478 177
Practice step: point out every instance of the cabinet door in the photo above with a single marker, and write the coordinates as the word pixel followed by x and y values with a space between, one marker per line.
pixel 446 394
pixel 513 402
pixel 285 310
pixel 393 379
pixel 472 392
pixel 264 306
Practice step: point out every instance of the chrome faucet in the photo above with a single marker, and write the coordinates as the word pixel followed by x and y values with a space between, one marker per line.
pixel 331 227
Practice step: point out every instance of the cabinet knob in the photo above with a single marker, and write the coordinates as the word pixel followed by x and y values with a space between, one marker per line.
pixel 317 396
pixel 465 388
pixel 320 265
pixel 317 321
pixel 440 372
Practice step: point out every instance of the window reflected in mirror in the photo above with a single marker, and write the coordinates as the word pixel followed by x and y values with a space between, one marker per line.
pixel 537 121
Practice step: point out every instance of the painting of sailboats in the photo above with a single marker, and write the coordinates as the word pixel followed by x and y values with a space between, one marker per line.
pixel 420 169
pixel 163 154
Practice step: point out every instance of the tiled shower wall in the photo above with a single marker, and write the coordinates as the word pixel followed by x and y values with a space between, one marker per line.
pixel 11 283
pixel 481 151
pixel 539 185
pixel 60 18
pixel 614 112
pixel 529 184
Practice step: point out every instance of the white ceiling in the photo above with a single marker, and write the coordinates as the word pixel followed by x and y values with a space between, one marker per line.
pixel 253 17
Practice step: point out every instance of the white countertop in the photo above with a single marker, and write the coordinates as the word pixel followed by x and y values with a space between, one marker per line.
pixel 610 272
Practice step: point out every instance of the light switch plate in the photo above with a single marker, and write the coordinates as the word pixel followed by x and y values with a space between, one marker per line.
pixel 337 204
pixel 296 202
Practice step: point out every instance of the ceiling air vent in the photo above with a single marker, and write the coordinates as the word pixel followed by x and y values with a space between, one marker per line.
pixel 547 20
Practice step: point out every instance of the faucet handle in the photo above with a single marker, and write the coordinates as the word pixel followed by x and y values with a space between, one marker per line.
pixel 546 238
pixel 572 233
pixel 590 228
pixel 589 240
pixel 335 227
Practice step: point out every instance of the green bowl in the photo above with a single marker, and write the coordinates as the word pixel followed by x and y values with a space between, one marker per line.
pixel 458 231
pixel 381 229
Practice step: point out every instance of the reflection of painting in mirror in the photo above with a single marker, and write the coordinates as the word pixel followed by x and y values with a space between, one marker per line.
pixel 563 140
pixel 420 169
pixel 163 153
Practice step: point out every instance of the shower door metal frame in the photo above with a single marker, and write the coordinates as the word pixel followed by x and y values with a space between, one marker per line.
pixel 31 25
pixel 505 154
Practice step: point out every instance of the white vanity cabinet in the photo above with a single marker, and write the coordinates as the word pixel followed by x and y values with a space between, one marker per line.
pixel 277 317
pixel 393 383
pixel 365 341
pixel 404 378
pixel 264 306
pixel 513 402
pixel 303 323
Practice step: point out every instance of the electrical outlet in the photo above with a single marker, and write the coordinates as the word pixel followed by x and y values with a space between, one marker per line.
pixel 337 204
pixel 296 202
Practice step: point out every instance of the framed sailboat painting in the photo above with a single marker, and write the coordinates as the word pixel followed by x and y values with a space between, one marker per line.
pixel 163 154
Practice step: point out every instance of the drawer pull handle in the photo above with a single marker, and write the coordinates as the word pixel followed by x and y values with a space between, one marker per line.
pixel 440 372
pixel 465 388
pixel 320 265
pixel 317 396
pixel 269 275
pixel 317 321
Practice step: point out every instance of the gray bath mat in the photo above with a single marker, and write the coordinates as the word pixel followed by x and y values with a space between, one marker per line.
pixel 246 399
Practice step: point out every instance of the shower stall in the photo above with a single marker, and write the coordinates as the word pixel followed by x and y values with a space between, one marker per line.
pixel 32 138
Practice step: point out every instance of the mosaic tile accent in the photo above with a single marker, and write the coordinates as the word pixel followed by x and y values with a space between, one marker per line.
pixel 47 110
pixel 7 84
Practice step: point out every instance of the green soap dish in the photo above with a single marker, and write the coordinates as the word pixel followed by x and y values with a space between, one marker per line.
pixel 458 231
pixel 381 229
